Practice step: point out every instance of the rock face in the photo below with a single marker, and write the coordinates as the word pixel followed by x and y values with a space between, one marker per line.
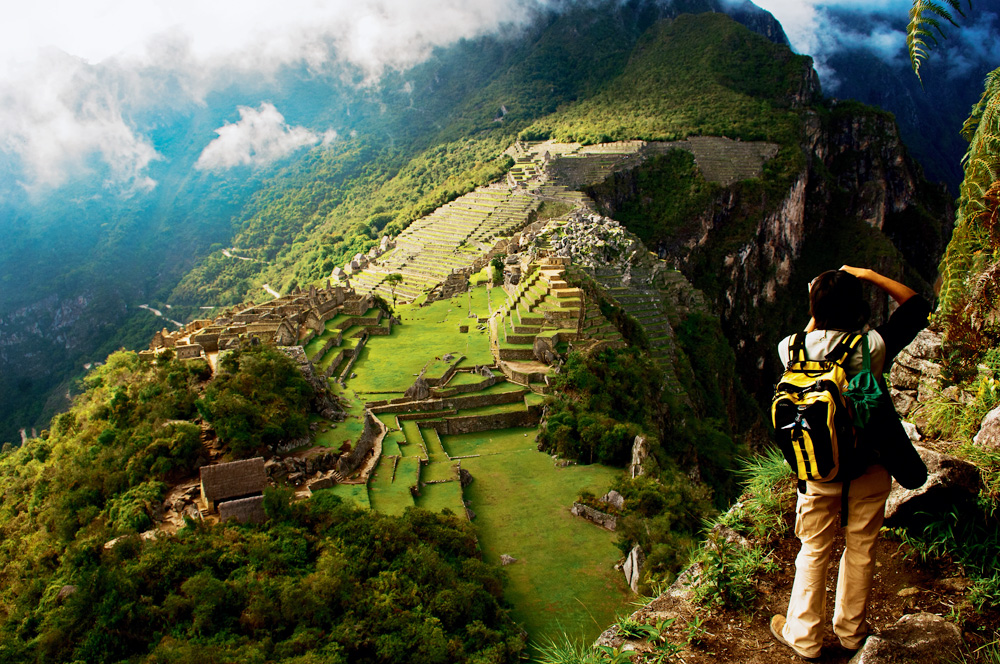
pixel 640 451
pixel 855 165
pixel 633 567
pixel 916 371
pixel 919 638
pixel 989 431
pixel 950 480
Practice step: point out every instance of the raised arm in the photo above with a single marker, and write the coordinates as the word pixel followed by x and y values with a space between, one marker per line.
pixel 897 291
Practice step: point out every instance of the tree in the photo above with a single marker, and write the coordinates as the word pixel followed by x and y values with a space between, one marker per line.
pixel 394 280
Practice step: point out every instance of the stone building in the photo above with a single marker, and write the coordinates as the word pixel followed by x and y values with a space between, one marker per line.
pixel 284 321
pixel 236 480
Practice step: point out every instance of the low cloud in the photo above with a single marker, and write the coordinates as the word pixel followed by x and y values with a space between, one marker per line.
pixel 57 114
pixel 70 86
pixel 260 137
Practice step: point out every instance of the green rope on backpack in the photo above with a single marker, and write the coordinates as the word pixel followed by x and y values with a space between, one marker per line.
pixel 863 390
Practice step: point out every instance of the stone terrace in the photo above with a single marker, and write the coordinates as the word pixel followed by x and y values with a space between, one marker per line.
pixel 457 238
pixel 658 300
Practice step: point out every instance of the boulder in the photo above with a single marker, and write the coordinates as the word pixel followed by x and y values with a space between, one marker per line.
pixel 989 430
pixel 464 477
pixel 633 567
pixel 507 560
pixel 926 345
pixel 903 401
pixel 903 377
pixel 918 638
pixel 614 499
pixel 950 480
pixel 65 592
pixel 419 391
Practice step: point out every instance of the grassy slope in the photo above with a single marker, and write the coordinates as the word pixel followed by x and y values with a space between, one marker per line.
pixel 561 581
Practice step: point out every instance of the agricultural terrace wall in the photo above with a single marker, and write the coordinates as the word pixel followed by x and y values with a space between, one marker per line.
pixel 451 426
pixel 522 377
pixel 454 403
pixel 381 330
pixel 371 436
pixel 362 321
pixel 446 376
pixel 402 417
pixel 334 364
pixel 354 358
pixel 446 392
pixel 335 340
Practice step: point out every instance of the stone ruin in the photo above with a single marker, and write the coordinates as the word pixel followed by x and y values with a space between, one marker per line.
pixel 285 321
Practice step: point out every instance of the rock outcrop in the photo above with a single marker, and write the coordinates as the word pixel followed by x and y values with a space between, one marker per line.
pixel 633 567
pixel 919 638
pixel 989 430
pixel 950 481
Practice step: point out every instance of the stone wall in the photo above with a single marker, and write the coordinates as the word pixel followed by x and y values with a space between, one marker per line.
pixel 451 426
pixel 354 358
pixel 338 358
pixel 452 403
pixel 403 417
pixel 603 519
pixel 446 392
pixel 373 433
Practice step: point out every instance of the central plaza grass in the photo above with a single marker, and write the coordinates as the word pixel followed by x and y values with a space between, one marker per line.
pixel 563 578
pixel 389 363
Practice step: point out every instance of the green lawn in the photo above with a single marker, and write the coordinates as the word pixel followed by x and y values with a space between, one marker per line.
pixel 357 493
pixel 388 364
pixel 437 497
pixel 465 378
pixel 388 496
pixel 435 471
pixel 563 580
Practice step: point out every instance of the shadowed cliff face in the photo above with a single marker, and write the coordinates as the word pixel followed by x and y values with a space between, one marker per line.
pixel 859 199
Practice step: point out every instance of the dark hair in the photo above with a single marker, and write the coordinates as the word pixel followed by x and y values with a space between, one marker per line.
pixel 836 302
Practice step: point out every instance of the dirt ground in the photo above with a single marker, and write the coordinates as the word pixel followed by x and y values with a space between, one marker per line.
pixel 902 586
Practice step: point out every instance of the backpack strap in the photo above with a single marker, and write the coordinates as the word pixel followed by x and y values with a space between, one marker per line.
pixel 797 348
pixel 843 350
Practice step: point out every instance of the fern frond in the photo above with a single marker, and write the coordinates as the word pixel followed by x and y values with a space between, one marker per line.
pixel 922 21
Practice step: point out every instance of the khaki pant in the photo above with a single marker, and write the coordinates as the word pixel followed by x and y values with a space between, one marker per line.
pixel 816 522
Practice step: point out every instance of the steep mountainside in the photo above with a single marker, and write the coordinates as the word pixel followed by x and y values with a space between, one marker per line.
pixel 412 142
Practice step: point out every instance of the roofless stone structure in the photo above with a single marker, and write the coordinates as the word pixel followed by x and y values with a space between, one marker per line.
pixel 232 481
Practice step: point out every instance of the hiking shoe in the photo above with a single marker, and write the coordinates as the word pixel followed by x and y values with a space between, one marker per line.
pixel 777 628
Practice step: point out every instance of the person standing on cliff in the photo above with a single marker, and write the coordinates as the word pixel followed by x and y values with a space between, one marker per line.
pixel 838 308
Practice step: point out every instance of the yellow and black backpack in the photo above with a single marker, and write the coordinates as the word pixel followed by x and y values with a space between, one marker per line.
pixel 812 417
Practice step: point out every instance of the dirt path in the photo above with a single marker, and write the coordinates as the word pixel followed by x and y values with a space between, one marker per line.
pixel 902 586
